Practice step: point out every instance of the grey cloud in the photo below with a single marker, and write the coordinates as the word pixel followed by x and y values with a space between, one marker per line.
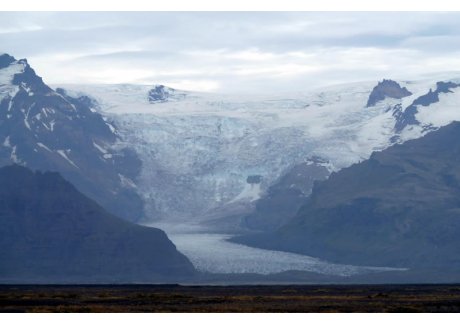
pixel 235 50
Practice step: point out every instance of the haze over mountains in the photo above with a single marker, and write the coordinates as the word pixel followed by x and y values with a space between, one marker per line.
pixel 221 164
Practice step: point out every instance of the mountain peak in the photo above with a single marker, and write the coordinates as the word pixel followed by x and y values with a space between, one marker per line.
pixel 161 94
pixel 387 88
pixel 50 130
pixel 6 60
pixel 19 74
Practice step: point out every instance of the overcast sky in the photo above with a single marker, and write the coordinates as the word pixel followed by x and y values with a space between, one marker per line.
pixel 232 52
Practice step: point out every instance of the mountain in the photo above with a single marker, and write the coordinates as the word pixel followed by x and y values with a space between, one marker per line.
pixel 267 211
pixel 49 130
pixel 400 208
pixel 387 89
pixel 408 116
pixel 52 233
pixel 278 205
pixel 161 94
pixel 282 199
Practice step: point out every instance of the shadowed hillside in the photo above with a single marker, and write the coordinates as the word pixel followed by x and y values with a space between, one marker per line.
pixel 400 208
pixel 50 232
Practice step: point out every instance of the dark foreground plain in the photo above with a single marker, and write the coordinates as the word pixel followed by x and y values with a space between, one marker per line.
pixel 267 298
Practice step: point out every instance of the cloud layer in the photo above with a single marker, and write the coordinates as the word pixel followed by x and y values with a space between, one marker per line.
pixel 232 52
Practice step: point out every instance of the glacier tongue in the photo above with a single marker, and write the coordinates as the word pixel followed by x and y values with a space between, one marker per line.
pixel 244 259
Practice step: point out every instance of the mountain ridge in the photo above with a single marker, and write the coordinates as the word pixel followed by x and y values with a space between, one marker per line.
pixel 51 232
pixel 387 89
pixel 399 208
pixel 49 130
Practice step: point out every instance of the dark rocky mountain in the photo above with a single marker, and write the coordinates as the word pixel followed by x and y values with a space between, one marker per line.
pixel 407 117
pixel 387 89
pixel 286 196
pixel 400 208
pixel 6 60
pixel 49 130
pixel 50 232
pixel 161 94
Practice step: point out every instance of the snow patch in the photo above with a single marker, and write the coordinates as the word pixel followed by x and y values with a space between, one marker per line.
pixel 112 129
pixel 251 192
pixel 41 145
pixel 7 89
pixel 27 89
pixel 51 127
pixel 10 105
pixel 26 123
pixel 6 142
pixel 7 74
pixel 63 154
pixel 14 156
pixel 26 116
pixel 98 147
pixel 126 181
pixel 443 112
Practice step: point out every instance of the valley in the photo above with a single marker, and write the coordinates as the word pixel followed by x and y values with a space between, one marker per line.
pixel 213 253
pixel 206 167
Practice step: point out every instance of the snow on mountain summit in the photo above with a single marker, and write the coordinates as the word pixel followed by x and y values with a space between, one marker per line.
pixel 9 68
pixel 50 130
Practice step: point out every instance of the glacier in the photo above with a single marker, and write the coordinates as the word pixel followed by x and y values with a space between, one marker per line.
pixel 198 152
pixel 211 252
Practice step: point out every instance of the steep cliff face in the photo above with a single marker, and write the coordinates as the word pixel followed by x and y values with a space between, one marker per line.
pixel 162 94
pixel 50 232
pixel 387 89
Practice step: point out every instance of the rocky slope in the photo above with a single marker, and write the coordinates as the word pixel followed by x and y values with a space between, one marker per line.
pixel 400 208
pixel 49 130
pixel 161 94
pixel 282 199
pixel 387 89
